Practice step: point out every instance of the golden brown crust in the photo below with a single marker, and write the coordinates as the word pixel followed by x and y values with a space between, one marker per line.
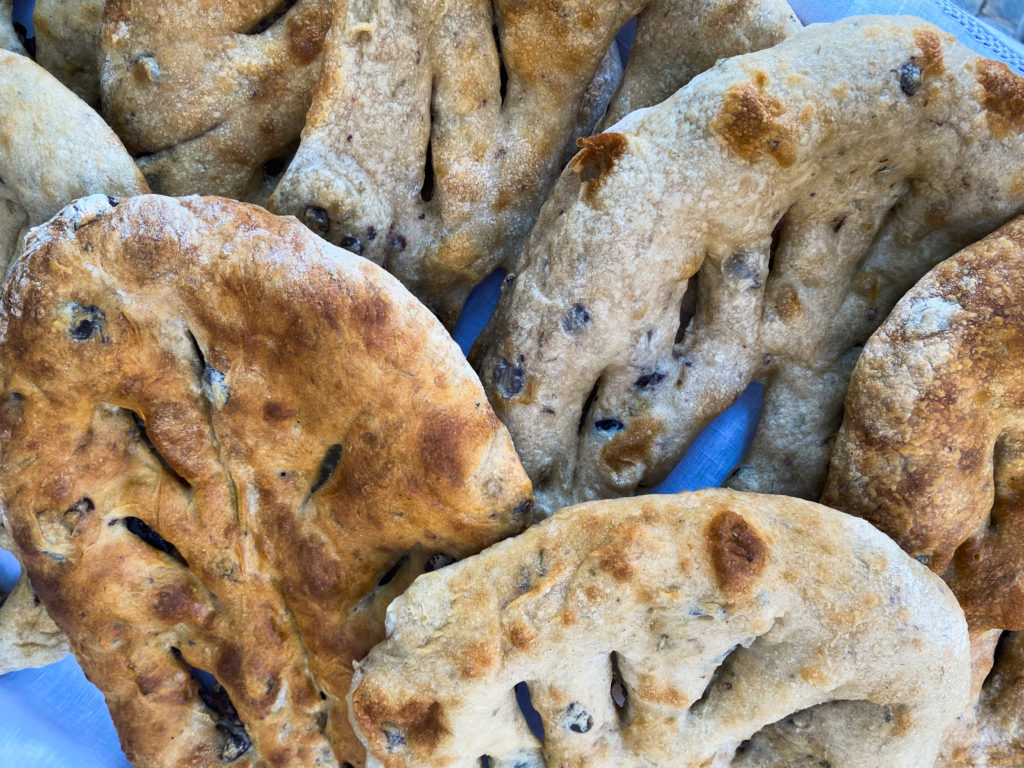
pixel 798 192
pixel 737 554
pixel 207 124
pixel 750 125
pixel 930 60
pixel 597 156
pixel 228 447
pixel 932 452
pixel 722 617
pixel 53 149
pixel 1002 97
pixel 932 444
pixel 437 129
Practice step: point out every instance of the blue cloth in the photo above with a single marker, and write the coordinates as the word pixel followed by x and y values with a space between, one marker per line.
pixel 54 718
pixel 9 570
pixel 477 310
pixel 720 446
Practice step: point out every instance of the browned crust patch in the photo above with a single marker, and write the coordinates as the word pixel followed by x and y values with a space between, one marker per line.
pixel 650 691
pixel 480 658
pixel 418 723
pixel 1002 97
pixel 930 43
pixel 306 36
pixel 737 553
pixel 631 445
pixel 616 564
pixel 438 440
pixel 116 11
pixel 785 303
pixel 597 156
pixel 521 635
pixel 750 124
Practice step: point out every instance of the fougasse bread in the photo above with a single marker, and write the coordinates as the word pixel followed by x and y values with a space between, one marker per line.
pixel 756 226
pixel 226 446
pixel 708 629
pixel 931 451
pixel 8 37
pixel 53 149
pixel 67 36
pixel 437 129
pixel 28 636
pixel 206 92
pixel 997 732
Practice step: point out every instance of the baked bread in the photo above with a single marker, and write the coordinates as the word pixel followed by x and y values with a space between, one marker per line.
pixel 438 129
pixel 8 37
pixel 67 43
pixel 205 123
pixel 798 192
pixel 990 731
pixel 999 729
pixel 28 636
pixel 53 149
pixel 227 445
pixel 677 40
pixel 931 451
pixel 732 629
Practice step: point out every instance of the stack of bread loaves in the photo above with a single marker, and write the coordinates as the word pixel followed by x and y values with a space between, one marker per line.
pixel 261 495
